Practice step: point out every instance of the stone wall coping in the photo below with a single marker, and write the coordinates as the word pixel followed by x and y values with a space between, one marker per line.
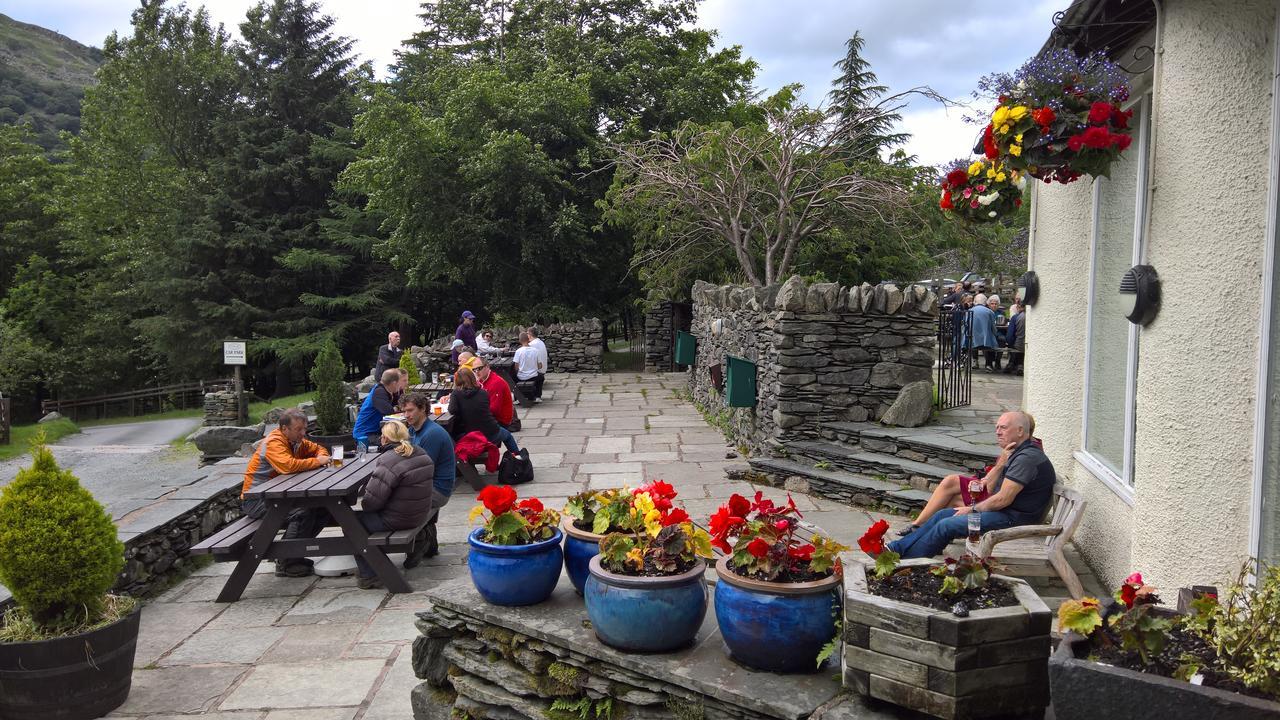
pixel 704 668
pixel 797 296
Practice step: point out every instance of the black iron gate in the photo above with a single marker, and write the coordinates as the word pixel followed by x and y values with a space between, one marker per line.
pixel 955 359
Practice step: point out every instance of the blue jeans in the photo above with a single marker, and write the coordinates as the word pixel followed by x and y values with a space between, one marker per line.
pixel 938 532
pixel 506 438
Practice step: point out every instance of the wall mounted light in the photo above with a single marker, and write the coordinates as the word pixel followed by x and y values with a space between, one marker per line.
pixel 1140 290
pixel 1028 288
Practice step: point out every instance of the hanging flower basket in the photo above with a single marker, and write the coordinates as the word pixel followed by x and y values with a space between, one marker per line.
pixel 983 191
pixel 1058 117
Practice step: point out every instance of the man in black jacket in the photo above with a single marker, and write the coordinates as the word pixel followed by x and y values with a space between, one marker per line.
pixel 388 355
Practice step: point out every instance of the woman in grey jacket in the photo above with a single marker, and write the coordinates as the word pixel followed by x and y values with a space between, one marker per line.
pixel 398 496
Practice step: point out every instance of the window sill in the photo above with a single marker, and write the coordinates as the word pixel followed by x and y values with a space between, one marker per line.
pixel 1106 477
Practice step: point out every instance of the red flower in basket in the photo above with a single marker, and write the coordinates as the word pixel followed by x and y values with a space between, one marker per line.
pixel 1100 112
pixel 957 178
pixel 1044 117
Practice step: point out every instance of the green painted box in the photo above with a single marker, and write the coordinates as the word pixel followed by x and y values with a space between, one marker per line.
pixel 686 348
pixel 740 382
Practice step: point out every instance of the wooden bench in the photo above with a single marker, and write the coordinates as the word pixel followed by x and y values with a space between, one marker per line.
pixel 229 542
pixel 1039 549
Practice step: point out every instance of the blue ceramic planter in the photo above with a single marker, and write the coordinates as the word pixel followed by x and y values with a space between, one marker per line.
pixel 515 574
pixel 776 627
pixel 646 614
pixel 579 547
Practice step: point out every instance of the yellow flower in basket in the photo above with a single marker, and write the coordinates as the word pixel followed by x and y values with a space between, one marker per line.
pixel 975 168
pixel 1017 113
pixel 1000 116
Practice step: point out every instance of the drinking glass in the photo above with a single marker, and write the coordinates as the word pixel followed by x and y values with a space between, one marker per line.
pixel 336 455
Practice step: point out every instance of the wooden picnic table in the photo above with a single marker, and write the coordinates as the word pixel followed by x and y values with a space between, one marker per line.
pixel 334 490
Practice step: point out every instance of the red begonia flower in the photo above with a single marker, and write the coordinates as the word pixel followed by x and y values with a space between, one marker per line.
pixel 739 506
pixel 957 177
pixel 804 552
pixel 758 548
pixel 531 504
pixel 872 541
pixel 1128 593
pixel 1099 112
pixel 1096 138
pixel 675 517
pixel 1044 117
pixel 497 499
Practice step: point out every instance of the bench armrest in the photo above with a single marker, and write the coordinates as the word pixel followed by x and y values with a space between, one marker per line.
pixel 991 539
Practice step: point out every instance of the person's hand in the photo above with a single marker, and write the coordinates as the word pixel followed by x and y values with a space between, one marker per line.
pixel 1004 454
pixel 323 458
pixel 963 509
pixel 444 400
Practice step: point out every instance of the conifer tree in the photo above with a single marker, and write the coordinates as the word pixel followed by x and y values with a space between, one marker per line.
pixel 853 93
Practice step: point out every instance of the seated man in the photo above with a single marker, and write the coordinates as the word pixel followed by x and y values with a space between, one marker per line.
pixel 1022 486
pixel 435 440
pixel 377 405
pixel 499 392
pixel 286 450
pixel 528 362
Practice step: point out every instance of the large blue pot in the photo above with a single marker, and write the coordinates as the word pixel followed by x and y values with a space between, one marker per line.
pixel 515 574
pixel 646 614
pixel 579 547
pixel 776 627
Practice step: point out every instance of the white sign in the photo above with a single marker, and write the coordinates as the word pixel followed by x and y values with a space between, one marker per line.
pixel 233 352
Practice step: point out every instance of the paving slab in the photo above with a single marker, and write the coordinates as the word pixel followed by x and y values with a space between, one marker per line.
pixel 164 625
pixel 223 645
pixel 392 699
pixel 303 643
pixel 178 689
pixel 306 685
pixel 334 606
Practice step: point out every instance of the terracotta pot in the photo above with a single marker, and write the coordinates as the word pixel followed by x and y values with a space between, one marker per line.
pixel 776 626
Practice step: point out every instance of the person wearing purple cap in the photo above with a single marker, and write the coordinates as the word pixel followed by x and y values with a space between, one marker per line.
pixel 466 332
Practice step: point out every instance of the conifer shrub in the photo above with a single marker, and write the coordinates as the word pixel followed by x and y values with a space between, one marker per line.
pixel 410 367
pixel 59 554
pixel 331 400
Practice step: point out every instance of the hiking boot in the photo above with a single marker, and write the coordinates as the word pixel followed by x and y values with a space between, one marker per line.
pixel 368 583
pixel 903 532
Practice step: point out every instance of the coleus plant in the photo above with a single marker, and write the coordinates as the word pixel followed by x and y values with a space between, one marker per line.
pixel 601 511
pixel 1137 628
pixel 653 537
pixel 872 543
pixel 510 521
pixel 761 538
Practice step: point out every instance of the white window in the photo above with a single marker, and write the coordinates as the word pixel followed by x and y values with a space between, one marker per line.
pixel 1111 354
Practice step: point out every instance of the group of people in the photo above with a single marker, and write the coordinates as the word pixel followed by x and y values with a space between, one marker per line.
pixel 530 359
pixel 413 477
pixel 979 325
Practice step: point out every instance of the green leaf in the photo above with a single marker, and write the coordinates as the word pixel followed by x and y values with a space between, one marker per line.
pixel 886 563
pixel 1080 616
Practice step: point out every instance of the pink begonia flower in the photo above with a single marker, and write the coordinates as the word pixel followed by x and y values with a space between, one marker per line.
pixel 1134 579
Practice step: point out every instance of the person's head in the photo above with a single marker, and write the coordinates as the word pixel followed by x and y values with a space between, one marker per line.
pixel 480 368
pixel 391 377
pixel 293 423
pixel 488 336
pixel 453 346
pixel 958 287
pixel 465 379
pixel 980 299
pixel 967 299
pixel 465 356
pixel 993 302
pixel 468 318
pixel 1013 427
pixel 416 406
pixel 524 338
pixel 395 432
pixel 393 339
pixel 1015 308
pixel 533 332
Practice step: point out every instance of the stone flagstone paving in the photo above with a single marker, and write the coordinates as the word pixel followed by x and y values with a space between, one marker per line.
pixel 321 649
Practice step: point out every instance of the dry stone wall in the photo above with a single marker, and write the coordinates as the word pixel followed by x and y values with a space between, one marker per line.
pixel 659 338
pixel 823 353
pixel 576 347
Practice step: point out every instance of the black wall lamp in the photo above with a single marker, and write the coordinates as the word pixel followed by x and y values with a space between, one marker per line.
pixel 1140 287
pixel 1029 288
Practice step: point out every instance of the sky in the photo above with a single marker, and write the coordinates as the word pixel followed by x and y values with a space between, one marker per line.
pixel 909 43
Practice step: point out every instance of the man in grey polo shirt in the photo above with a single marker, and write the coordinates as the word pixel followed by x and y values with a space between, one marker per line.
pixel 1023 491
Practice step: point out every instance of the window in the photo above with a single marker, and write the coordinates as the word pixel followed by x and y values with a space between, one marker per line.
pixel 1111 355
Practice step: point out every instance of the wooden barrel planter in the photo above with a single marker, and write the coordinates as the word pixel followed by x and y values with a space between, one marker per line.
pixel 991 663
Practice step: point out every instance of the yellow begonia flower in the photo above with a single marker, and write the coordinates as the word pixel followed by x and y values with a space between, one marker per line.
pixel 1004 129
pixel 1018 138
pixel 476 512
pixel 975 168
pixel 1000 116
pixel 991 172
pixel 648 514
pixel 1017 113
pixel 635 558
pixel 1000 177
pixel 1015 150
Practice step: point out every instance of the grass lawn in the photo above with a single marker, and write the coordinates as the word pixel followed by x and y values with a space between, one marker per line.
pixel 20 436
pixel 258 409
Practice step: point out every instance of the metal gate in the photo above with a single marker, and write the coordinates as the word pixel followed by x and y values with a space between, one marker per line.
pixel 955 359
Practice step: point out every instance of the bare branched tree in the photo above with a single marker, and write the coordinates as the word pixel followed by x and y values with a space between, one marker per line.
pixel 761 189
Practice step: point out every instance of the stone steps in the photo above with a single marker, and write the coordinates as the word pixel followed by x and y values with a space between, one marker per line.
pixel 845 487
pixel 919 475
pixel 928 444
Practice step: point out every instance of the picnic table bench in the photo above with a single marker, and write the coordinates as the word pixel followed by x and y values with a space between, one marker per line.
pixel 248 541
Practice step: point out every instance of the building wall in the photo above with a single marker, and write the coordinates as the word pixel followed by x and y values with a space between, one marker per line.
pixel 1197 365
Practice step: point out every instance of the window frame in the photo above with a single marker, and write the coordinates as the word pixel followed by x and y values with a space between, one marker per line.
pixel 1121 484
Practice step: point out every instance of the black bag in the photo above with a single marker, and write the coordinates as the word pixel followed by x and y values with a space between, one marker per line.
pixel 515 423
pixel 515 469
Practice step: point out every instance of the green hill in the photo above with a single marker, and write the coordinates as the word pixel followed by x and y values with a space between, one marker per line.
pixel 42 78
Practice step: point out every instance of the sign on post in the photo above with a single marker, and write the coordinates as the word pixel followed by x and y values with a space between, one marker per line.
pixel 233 352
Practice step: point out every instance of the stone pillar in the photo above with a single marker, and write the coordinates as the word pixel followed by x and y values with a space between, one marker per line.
pixel 659 338
pixel 221 408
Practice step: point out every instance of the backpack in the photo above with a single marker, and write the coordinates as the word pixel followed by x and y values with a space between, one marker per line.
pixel 515 469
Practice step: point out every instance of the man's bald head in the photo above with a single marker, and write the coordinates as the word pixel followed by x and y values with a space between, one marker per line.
pixel 1014 427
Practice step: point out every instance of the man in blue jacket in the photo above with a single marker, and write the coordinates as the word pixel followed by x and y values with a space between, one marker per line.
pixel 435 441
pixel 377 405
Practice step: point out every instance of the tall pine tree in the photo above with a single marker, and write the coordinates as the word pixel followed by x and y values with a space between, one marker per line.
pixel 853 95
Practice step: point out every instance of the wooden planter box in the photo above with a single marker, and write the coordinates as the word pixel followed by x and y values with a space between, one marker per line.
pixel 1083 688
pixel 994 662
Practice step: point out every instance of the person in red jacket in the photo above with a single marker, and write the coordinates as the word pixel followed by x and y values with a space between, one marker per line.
pixel 499 392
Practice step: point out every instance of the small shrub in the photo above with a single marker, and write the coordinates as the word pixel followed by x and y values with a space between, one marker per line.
pixel 331 400
pixel 410 367
pixel 1244 630
pixel 58 548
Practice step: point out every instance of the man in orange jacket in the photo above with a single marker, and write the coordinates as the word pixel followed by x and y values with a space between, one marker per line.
pixel 286 450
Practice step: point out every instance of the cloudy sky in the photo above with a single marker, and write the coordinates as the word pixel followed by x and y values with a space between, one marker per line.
pixel 945 45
